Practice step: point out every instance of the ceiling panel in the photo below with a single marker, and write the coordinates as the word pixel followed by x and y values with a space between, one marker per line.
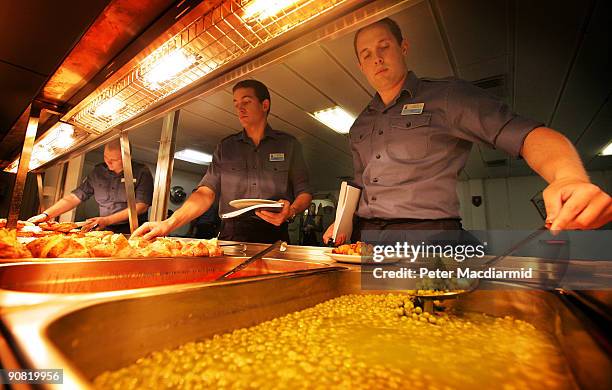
pixel 590 81
pixel 426 54
pixel 597 136
pixel 284 82
pixel 334 82
pixel 468 22
pixel 307 125
pixel 546 35
pixel 484 69
pixel 341 49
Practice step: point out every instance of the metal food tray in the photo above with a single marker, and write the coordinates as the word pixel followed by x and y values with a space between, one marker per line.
pixel 70 276
pixel 87 334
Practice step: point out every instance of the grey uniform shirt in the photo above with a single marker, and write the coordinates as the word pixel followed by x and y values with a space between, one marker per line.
pixel 408 165
pixel 108 188
pixel 273 170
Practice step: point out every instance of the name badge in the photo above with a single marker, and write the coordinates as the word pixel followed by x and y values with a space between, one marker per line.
pixel 277 156
pixel 123 180
pixel 413 109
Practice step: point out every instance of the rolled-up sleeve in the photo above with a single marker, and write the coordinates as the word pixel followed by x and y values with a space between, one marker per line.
pixel 85 190
pixel 144 187
pixel 482 118
pixel 212 178
pixel 298 172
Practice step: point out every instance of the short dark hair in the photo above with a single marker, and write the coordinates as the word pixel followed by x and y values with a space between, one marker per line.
pixel 391 24
pixel 261 91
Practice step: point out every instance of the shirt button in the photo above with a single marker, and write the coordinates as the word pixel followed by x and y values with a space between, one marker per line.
pixel 380 132
pixel 373 198
pixel 378 156
pixel 408 124
pixel 375 180
pixel 254 184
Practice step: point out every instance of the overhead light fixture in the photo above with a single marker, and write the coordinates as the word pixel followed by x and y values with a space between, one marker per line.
pixel 167 67
pixel 607 151
pixel 336 118
pixel 54 142
pixel 263 9
pixel 215 39
pixel 109 107
pixel 193 156
pixel 64 136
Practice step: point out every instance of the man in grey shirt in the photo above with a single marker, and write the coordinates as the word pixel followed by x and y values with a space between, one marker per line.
pixel 413 139
pixel 107 185
pixel 258 162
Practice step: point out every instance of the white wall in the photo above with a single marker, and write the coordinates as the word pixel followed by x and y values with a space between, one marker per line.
pixel 506 201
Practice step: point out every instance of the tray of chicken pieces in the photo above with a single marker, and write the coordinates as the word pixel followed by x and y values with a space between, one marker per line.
pixel 29 242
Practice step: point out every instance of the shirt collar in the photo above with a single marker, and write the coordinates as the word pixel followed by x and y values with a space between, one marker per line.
pixel 268 132
pixel 411 85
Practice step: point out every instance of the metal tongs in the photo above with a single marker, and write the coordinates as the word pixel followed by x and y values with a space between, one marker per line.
pixel 257 256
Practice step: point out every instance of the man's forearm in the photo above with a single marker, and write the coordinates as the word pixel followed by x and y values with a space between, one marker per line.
pixel 552 156
pixel 124 215
pixel 67 203
pixel 301 202
pixel 198 203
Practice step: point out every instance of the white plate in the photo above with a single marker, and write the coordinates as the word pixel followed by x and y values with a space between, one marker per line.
pixel 242 203
pixel 356 259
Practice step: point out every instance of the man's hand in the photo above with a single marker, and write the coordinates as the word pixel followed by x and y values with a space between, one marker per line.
pixel 279 218
pixel 576 204
pixel 150 230
pixel 101 223
pixel 328 236
pixel 39 218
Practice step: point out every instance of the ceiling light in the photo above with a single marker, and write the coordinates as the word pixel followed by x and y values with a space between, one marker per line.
pixel 336 118
pixel 193 156
pixel 607 151
pixel 216 39
pixel 109 107
pixel 167 67
pixel 54 142
pixel 64 136
pixel 261 10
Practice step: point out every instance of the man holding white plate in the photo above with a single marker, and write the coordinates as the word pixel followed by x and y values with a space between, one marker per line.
pixel 256 163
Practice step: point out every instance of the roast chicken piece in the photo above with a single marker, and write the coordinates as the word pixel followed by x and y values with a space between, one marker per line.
pixel 10 248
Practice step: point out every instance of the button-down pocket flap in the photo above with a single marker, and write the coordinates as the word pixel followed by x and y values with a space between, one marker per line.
pixel 359 135
pixel 234 165
pixel 277 166
pixel 408 122
pixel 361 129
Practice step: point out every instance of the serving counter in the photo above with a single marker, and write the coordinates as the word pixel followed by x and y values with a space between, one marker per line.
pixel 119 311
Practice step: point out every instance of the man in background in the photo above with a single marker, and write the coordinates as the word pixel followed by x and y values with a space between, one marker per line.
pixel 107 185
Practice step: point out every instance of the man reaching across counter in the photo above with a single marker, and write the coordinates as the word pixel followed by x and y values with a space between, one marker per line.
pixel 413 139
pixel 258 162
pixel 107 185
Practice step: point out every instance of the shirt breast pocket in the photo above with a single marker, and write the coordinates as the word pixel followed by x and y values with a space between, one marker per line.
pixel 360 137
pixel 102 191
pixel 276 179
pixel 409 137
pixel 234 178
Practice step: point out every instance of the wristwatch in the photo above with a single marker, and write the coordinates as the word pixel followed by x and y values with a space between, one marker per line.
pixel 292 214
